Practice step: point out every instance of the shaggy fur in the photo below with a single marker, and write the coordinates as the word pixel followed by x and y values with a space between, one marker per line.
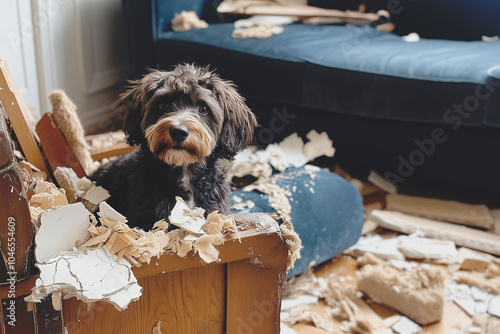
pixel 216 124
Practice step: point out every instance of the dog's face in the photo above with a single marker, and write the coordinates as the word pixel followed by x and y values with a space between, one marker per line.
pixel 185 115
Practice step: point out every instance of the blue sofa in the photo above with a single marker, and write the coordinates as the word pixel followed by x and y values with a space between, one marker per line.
pixel 424 110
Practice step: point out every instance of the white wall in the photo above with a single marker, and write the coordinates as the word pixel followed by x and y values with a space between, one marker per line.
pixel 18 48
pixel 81 48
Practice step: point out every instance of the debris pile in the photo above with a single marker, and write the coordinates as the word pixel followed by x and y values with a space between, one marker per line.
pixel 423 258
pixel 291 152
pixel 70 238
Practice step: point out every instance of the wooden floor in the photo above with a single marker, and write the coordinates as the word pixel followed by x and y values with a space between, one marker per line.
pixel 342 269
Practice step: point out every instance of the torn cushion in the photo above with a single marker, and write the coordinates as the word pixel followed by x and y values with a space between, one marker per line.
pixel 326 211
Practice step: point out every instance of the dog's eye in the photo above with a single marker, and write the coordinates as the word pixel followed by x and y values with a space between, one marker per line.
pixel 203 110
pixel 163 106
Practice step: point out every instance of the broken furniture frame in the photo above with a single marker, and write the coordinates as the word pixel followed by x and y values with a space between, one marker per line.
pixel 240 294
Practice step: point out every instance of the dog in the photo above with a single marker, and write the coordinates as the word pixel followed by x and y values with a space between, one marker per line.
pixel 186 123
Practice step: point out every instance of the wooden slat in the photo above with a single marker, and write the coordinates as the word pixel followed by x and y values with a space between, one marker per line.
pixel 115 150
pixel 18 113
pixel 190 301
pixel 254 292
pixel 55 146
pixel 16 229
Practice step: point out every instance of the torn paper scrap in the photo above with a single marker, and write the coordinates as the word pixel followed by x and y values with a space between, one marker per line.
pixel 189 220
pixel 89 276
pixel 59 230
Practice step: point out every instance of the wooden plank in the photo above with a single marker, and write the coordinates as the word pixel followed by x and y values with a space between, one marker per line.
pixel 115 150
pixel 461 235
pixel 253 243
pixel 17 112
pixel 190 301
pixel 24 323
pixel 56 147
pixel 254 292
pixel 16 229
pixel 447 211
pixel 259 7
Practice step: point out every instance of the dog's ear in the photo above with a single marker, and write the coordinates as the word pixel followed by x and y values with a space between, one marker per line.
pixel 130 105
pixel 239 122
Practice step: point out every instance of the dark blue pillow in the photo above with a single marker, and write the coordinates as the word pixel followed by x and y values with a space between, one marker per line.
pixel 327 212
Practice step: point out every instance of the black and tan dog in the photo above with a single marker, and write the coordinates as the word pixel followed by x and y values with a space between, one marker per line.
pixel 184 122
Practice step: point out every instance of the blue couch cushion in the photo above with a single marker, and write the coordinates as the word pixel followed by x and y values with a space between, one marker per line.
pixel 327 213
pixel 436 73
pixel 362 49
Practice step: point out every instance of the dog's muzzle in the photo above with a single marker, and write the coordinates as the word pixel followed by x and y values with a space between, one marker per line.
pixel 179 133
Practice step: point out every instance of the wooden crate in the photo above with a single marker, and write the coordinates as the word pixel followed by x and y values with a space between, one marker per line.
pixel 240 294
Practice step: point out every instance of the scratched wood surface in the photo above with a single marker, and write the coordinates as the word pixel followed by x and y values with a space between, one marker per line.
pixel 254 292
pixel 188 301
pixel 56 147
pixel 16 230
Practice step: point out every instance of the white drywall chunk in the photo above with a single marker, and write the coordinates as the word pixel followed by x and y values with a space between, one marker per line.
pixel 425 248
pixel 406 326
pixel 89 276
pixel 384 249
pixel 289 303
pixel 319 144
pixel 96 195
pixel 494 308
pixel 106 211
pixel 187 219
pixel 60 229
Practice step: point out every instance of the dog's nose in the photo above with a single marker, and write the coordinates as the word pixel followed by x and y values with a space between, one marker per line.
pixel 179 133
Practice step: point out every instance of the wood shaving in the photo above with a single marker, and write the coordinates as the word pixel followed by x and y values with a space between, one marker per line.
pixel 205 248
pixel 293 243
